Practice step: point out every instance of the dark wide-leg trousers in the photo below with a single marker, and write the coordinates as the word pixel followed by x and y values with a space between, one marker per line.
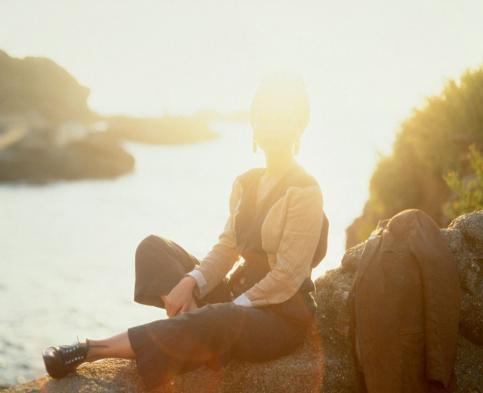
pixel 210 335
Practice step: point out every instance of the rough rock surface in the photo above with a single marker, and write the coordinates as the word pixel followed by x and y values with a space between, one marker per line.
pixel 325 363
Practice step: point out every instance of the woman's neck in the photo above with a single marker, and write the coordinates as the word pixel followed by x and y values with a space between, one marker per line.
pixel 277 165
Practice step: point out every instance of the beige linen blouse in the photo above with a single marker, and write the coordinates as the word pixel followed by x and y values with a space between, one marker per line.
pixel 290 234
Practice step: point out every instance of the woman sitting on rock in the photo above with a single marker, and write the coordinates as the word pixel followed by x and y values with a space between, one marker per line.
pixel 264 308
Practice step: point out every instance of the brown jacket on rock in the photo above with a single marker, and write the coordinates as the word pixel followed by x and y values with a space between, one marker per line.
pixel 406 303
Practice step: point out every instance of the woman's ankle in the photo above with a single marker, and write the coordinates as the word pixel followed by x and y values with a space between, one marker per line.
pixel 92 353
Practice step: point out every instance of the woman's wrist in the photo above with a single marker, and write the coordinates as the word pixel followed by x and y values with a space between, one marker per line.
pixel 191 280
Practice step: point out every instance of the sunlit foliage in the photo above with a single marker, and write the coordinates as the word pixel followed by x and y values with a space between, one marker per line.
pixel 432 142
pixel 469 189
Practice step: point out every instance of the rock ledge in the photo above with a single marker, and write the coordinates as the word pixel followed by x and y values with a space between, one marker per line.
pixel 325 362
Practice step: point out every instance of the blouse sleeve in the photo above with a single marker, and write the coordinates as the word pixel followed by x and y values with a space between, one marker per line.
pixel 222 256
pixel 300 237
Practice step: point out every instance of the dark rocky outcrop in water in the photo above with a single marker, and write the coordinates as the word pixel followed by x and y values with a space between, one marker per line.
pixel 325 363
pixel 94 156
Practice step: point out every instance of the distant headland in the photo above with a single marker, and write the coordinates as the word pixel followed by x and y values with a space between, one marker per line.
pixel 48 132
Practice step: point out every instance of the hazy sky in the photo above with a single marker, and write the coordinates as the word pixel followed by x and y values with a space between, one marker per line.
pixel 147 57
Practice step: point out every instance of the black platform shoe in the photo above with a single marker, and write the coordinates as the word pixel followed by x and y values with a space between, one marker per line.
pixel 63 359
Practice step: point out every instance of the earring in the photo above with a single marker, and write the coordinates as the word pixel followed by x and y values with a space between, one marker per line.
pixel 254 145
pixel 296 147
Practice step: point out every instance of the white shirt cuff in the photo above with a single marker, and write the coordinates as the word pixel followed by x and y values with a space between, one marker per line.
pixel 198 276
pixel 243 300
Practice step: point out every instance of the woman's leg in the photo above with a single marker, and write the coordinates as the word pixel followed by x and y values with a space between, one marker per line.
pixel 210 335
pixel 117 346
pixel 160 263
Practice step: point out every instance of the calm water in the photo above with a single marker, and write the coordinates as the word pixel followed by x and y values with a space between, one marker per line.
pixel 67 248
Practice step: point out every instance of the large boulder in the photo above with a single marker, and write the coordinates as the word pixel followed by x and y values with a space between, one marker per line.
pixel 325 362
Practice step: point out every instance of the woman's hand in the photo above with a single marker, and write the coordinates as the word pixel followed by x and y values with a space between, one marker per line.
pixel 180 298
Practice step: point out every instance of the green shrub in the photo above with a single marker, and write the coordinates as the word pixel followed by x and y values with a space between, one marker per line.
pixel 468 189
pixel 432 141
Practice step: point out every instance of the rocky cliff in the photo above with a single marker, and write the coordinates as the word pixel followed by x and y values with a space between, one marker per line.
pixel 37 84
pixel 325 363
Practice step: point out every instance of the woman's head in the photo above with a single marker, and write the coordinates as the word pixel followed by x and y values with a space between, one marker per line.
pixel 280 110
